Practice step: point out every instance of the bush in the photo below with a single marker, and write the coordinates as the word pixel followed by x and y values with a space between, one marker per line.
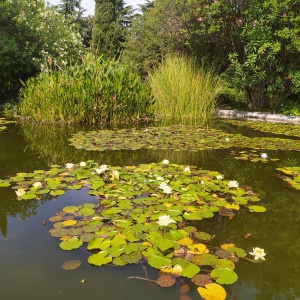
pixel 96 91
pixel 184 91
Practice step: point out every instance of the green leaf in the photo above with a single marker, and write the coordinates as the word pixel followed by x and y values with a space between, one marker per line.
pixel 99 259
pixel 157 260
pixel 190 271
pixel 224 276
pixel 257 208
pixel 163 244
pixel 73 243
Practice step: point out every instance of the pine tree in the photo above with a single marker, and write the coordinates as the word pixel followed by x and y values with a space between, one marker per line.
pixel 108 27
pixel 71 9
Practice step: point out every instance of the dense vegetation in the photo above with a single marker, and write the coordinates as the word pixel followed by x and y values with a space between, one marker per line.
pixel 254 43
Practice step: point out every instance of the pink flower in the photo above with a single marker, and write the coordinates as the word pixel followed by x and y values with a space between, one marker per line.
pixel 284 15
pixel 216 1
pixel 254 23
pixel 200 19
pixel 240 21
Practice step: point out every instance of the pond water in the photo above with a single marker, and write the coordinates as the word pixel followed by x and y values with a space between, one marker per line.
pixel 31 261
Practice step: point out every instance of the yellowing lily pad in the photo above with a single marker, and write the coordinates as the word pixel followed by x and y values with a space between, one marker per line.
pixel 212 291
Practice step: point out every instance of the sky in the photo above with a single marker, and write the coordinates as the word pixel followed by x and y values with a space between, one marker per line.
pixel 89 5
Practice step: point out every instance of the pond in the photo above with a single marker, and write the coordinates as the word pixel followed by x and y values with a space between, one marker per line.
pixel 31 261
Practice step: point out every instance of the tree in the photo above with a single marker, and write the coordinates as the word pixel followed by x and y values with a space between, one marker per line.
pixel 153 34
pixel 71 9
pixel 108 27
pixel 33 37
pixel 257 40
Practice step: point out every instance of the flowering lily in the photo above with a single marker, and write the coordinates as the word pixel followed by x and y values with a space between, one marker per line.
pixel 159 178
pixel 233 184
pixel 20 192
pixel 115 174
pixel 258 253
pixel 165 161
pixel 165 220
pixel 69 165
pixel 264 155
pixel 219 177
pixel 187 169
pixel 37 184
pixel 82 164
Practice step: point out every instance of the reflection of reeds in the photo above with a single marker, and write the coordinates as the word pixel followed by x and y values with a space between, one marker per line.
pixel 95 91
pixel 52 142
pixel 185 91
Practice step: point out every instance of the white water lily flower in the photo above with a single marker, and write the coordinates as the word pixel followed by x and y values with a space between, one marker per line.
pixel 167 190
pixel 233 184
pixel 187 169
pixel 115 174
pixel 258 253
pixel 165 220
pixel 69 165
pixel 202 182
pixel 37 184
pixel 219 177
pixel 163 185
pixel 20 192
pixel 82 164
pixel 159 178
pixel 264 155
pixel 165 161
pixel 227 139
pixel 104 167
pixel 99 171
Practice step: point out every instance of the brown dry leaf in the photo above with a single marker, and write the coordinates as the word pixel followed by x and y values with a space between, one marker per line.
pixel 165 281
pixel 184 289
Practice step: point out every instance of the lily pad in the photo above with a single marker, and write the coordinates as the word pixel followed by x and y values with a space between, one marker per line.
pixel 71 264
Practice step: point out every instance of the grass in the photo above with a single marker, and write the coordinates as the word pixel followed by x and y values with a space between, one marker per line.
pixel 185 91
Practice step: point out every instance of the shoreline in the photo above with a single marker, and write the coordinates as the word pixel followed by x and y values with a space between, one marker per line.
pixel 257 116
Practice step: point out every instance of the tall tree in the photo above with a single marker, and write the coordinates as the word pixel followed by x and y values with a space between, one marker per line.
pixel 71 9
pixel 108 27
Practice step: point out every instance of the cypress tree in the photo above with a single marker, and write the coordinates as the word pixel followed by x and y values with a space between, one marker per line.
pixel 108 27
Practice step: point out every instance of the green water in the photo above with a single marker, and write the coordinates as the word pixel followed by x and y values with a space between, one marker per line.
pixel 30 259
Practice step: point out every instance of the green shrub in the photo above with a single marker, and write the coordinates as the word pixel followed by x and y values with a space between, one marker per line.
pixel 95 91
pixel 184 90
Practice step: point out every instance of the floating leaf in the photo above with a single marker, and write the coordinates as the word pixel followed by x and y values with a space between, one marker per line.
pixel 99 259
pixel 257 208
pixel 224 275
pixel 165 281
pixel 212 291
pixel 69 223
pixel 190 271
pixel 201 279
pixel 73 243
pixel 71 264
pixel 157 260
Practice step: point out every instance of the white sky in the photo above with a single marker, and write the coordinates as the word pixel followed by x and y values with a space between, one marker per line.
pixel 89 5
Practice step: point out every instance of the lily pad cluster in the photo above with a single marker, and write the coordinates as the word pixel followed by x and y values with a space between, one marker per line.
pixel 291 176
pixel 145 213
pixel 252 155
pixel 275 128
pixel 175 138
pixel 3 122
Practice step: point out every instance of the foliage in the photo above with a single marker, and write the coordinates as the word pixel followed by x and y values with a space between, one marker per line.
pixel 71 9
pixel 184 90
pixel 290 107
pixel 33 37
pixel 257 39
pixel 125 226
pixel 152 35
pixel 94 91
pixel 108 28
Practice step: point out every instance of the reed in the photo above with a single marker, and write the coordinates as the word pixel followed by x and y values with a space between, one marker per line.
pixel 95 91
pixel 185 91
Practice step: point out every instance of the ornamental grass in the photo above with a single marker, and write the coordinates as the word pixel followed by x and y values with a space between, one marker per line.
pixel 185 91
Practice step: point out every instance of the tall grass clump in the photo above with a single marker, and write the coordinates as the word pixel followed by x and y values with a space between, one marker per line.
pixel 185 90
pixel 94 91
